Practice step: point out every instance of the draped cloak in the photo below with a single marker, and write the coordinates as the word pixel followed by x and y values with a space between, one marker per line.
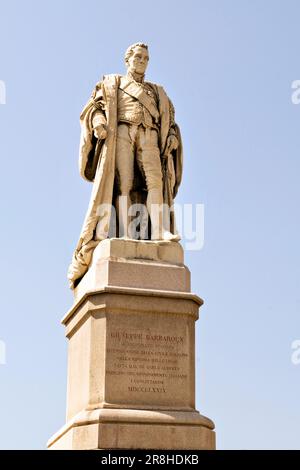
pixel 97 164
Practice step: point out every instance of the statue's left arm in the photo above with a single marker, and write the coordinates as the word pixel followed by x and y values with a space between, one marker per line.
pixel 174 147
pixel 173 137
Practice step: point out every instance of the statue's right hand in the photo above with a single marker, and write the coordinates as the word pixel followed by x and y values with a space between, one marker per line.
pixel 100 132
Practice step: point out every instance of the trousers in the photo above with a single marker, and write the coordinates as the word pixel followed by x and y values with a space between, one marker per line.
pixel 136 141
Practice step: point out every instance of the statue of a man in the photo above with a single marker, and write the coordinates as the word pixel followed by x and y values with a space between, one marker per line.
pixel 131 150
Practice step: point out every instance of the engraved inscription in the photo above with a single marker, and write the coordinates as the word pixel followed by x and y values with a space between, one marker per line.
pixel 148 362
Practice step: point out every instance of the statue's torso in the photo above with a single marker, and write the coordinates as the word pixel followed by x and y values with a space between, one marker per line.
pixel 130 110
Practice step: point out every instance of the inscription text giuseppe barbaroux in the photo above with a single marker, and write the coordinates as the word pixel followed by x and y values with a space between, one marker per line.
pixel 151 361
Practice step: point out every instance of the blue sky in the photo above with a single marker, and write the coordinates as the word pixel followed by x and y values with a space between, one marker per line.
pixel 228 66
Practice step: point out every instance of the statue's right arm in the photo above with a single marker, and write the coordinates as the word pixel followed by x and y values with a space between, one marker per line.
pixel 99 119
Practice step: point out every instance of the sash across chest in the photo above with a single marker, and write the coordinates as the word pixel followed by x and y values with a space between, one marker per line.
pixel 142 96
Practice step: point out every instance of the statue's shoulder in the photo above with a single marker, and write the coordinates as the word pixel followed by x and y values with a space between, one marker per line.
pixel 111 79
pixel 153 84
pixel 159 89
pixel 108 82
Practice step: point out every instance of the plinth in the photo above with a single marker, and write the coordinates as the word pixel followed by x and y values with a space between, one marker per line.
pixel 131 356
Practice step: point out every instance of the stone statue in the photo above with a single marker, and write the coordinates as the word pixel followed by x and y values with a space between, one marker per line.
pixel 131 150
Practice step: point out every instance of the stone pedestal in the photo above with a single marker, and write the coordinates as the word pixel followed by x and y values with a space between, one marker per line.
pixel 131 361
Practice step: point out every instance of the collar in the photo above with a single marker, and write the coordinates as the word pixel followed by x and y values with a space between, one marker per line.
pixel 132 77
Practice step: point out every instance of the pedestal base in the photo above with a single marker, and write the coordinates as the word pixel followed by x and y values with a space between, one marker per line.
pixel 135 429
pixel 131 358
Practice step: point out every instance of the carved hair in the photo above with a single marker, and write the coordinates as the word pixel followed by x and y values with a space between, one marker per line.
pixel 131 48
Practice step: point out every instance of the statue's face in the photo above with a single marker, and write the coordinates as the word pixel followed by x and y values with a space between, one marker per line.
pixel 138 61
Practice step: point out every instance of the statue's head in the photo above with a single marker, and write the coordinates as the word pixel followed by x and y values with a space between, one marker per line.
pixel 137 57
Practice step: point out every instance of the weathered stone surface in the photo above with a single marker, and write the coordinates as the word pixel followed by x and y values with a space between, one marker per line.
pixel 131 360
pixel 132 263
pixel 135 429
pixel 131 330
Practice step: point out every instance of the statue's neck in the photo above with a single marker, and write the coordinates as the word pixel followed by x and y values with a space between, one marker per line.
pixel 136 77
